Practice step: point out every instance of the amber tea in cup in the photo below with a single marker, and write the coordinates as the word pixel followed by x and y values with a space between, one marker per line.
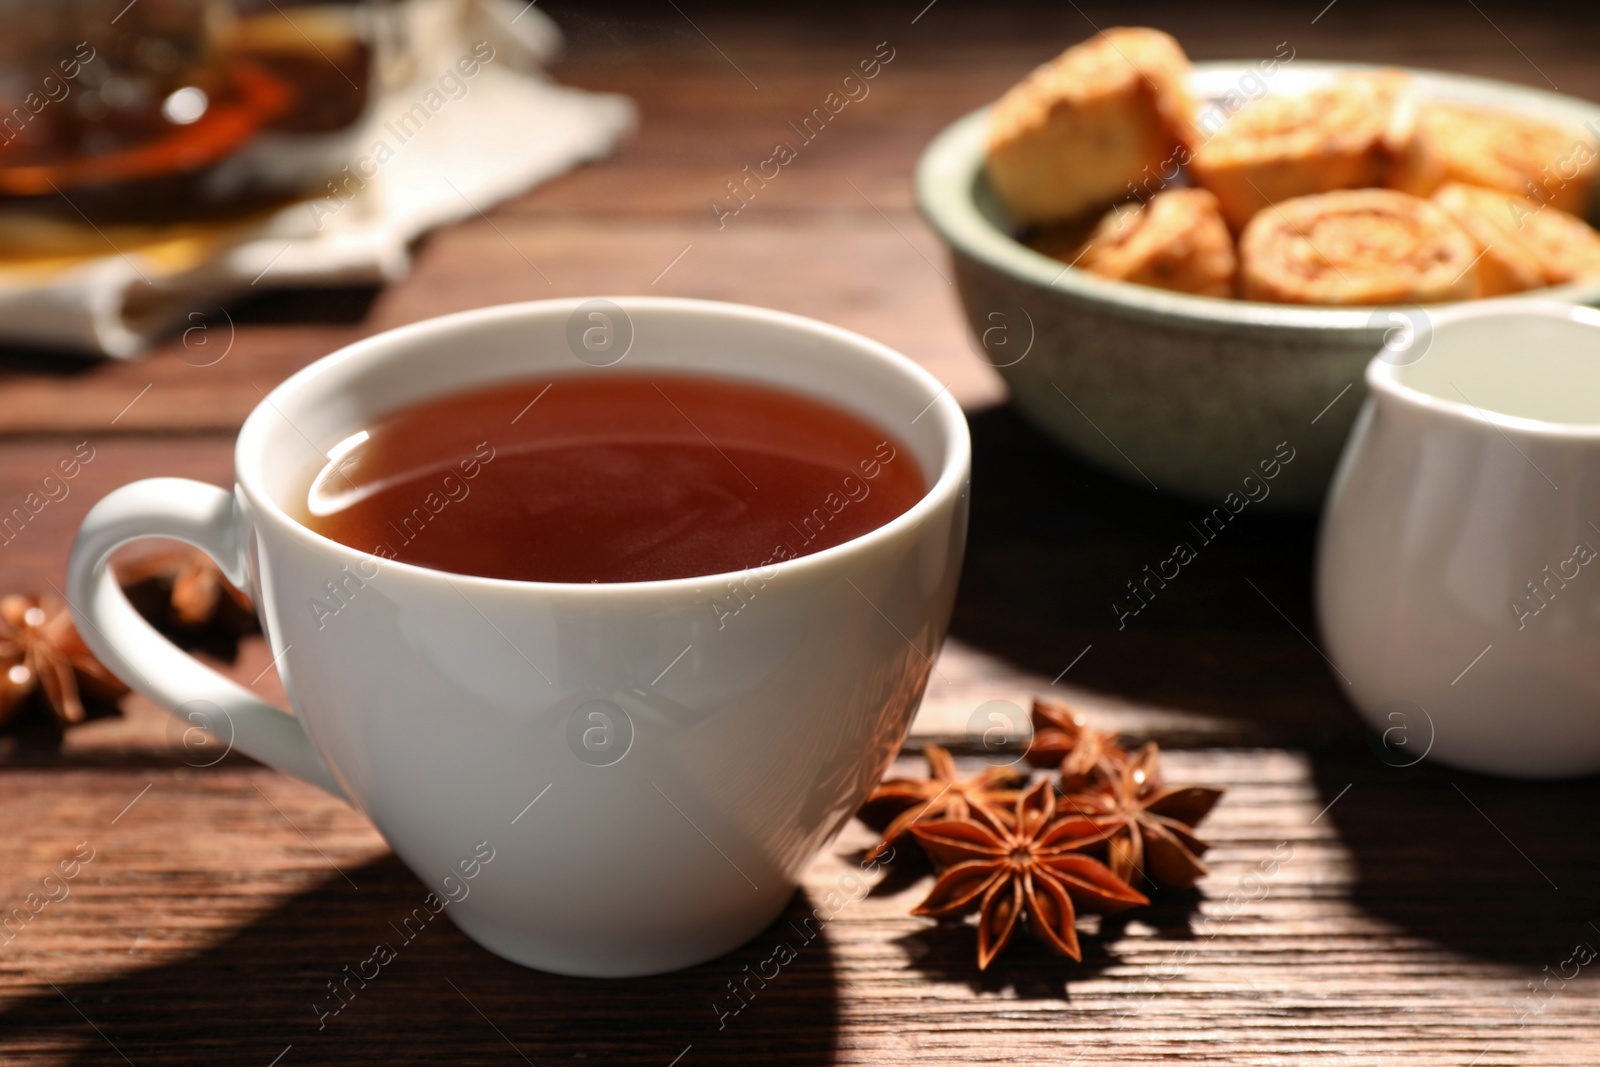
pixel 611 478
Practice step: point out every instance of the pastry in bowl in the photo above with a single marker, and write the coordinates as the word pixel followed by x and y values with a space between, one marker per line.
pixel 1068 138
pixel 1523 245
pixel 1075 151
pixel 1505 264
pixel 1181 391
pixel 1176 241
pixel 1545 162
pixel 1357 246
pixel 1345 135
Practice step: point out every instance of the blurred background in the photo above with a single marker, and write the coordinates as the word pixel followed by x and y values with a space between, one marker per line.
pixel 181 229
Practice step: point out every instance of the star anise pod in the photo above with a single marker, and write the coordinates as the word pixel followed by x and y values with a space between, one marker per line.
pixel 188 589
pixel 1062 737
pixel 1149 828
pixel 942 795
pixel 1029 865
pixel 40 651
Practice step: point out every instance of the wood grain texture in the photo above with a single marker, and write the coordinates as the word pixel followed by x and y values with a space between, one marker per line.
pixel 1410 911
pixel 1363 944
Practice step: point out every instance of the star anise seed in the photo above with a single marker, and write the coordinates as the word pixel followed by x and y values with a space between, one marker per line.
pixel 1149 828
pixel 1027 866
pixel 941 796
pixel 40 651
pixel 195 590
pixel 1062 737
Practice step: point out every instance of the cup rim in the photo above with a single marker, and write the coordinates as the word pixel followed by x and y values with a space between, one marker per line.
pixel 1384 377
pixel 942 407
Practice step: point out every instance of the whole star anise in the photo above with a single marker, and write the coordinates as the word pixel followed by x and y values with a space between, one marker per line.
pixel 1030 866
pixel 941 796
pixel 1149 828
pixel 186 589
pixel 1062 737
pixel 40 651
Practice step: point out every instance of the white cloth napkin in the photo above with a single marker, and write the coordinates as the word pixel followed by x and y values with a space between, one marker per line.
pixel 475 141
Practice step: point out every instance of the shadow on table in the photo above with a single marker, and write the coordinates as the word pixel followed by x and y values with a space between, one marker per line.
pixel 1466 861
pixel 442 999
pixel 1053 542
pixel 333 306
pixel 1500 869
pixel 947 952
pixel 343 305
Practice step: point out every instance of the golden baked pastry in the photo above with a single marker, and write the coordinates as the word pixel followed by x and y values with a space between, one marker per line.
pixel 1542 161
pixel 1345 135
pixel 1077 132
pixel 1359 246
pixel 1524 245
pixel 1177 241
pixel 1505 265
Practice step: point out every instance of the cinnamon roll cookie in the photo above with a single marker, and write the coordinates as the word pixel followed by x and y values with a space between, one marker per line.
pixel 1078 131
pixel 1360 246
pixel 1522 245
pixel 1346 135
pixel 1176 241
pixel 1541 161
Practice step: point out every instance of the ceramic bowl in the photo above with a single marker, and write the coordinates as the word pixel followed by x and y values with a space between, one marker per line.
pixel 1184 394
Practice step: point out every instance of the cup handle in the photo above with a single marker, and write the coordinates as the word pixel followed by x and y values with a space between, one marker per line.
pixel 206 517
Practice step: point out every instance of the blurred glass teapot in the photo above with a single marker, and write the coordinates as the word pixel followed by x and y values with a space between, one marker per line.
pixel 112 110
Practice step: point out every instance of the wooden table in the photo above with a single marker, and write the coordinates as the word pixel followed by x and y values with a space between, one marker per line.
pixel 1412 912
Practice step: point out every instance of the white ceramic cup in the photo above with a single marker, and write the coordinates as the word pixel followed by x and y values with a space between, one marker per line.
pixel 1458 584
pixel 650 771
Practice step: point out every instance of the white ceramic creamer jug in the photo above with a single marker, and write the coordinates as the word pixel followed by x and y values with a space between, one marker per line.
pixel 1458 570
